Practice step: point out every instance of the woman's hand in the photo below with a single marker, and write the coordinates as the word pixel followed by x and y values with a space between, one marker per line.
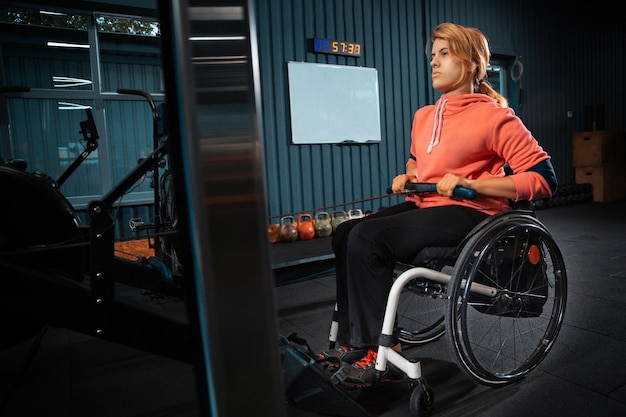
pixel 399 181
pixel 449 182
pixel 410 176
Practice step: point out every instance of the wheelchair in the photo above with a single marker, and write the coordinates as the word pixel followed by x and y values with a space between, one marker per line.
pixel 499 297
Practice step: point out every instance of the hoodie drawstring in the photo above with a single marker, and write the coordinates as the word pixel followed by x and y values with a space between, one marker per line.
pixel 437 123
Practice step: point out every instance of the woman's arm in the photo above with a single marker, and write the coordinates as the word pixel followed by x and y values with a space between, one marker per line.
pixel 493 187
pixel 410 176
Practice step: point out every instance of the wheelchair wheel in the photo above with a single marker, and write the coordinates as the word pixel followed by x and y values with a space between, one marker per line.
pixel 422 399
pixel 421 312
pixel 499 338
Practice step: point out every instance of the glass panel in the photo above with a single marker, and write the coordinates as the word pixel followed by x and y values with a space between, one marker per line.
pixel 44 18
pixel 129 126
pixel 48 135
pixel 130 54
pixel 44 49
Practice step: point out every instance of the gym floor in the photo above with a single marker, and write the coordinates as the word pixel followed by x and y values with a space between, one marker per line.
pixel 583 375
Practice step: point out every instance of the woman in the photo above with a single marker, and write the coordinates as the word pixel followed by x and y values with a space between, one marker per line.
pixel 465 139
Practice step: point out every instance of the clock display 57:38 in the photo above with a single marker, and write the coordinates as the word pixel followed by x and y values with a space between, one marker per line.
pixel 330 46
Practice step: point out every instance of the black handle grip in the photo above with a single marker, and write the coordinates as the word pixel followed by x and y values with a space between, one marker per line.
pixel 431 187
pixel 134 92
pixel 141 93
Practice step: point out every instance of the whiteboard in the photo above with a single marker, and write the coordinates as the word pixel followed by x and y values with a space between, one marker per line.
pixel 333 103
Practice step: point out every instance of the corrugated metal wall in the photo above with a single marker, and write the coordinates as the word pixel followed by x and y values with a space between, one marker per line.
pixel 571 57
pixel 306 177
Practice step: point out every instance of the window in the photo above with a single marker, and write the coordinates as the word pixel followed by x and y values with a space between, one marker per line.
pixel 129 51
pixel 71 64
pixel 43 49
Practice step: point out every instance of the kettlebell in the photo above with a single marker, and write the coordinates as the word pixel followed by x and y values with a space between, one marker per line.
pixel 306 230
pixel 273 233
pixel 323 226
pixel 288 231
pixel 355 214
pixel 338 217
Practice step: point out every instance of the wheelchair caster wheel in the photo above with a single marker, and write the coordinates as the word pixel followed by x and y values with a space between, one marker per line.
pixel 422 399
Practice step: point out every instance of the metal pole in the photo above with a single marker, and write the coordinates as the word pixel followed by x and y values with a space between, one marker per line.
pixel 209 61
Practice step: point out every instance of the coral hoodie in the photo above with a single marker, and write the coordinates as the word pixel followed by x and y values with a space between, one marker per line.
pixel 473 137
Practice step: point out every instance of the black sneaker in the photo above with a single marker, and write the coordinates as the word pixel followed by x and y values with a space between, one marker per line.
pixel 362 373
pixel 341 355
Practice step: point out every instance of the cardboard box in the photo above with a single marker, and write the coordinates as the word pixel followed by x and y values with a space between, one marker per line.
pixel 608 182
pixel 599 148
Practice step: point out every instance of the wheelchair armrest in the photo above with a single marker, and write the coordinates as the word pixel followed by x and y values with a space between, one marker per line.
pixel 523 205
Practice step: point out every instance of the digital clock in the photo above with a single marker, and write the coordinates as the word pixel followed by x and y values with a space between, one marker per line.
pixel 335 47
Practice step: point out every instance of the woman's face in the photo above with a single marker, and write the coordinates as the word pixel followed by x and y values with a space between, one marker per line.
pixel 447 73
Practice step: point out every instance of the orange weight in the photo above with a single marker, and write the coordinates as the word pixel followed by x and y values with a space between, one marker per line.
pixel 306 229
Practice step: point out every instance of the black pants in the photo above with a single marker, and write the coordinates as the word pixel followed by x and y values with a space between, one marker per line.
pixel 366 250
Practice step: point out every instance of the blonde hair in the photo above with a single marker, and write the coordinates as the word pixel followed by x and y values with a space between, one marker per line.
pixel 470 47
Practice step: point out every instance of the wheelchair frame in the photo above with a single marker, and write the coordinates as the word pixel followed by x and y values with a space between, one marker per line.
pixel 503 304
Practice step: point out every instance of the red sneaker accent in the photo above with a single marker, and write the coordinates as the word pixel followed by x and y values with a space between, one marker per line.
pixel 368 360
